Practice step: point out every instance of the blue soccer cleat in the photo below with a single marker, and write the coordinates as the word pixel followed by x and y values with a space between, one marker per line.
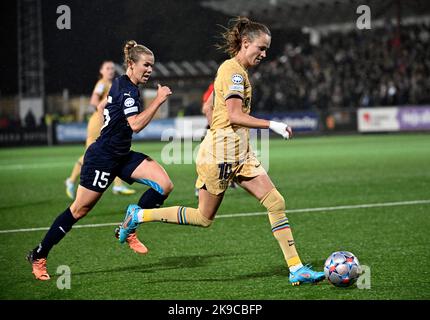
pixel 130 222
pixel 70 189
pixel 306 275
pixel 123 190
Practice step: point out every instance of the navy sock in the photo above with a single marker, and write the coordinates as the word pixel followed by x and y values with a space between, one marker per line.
pixel 151 199
pixel 58 230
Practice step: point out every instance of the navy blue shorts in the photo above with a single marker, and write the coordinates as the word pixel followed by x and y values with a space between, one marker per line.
pixel 99 170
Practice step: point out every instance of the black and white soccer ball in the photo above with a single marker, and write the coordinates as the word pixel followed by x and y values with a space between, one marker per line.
pixel 342 268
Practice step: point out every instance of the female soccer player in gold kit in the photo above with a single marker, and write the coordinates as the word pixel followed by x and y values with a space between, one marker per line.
pixel 225 153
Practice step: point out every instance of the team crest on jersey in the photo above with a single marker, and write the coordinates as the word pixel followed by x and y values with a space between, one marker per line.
pixel 129 102
pixel 237 78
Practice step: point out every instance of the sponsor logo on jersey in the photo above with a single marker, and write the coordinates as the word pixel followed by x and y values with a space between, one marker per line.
pixel 129 102
pixel 236 87
pixel 237 78
pixel 130 110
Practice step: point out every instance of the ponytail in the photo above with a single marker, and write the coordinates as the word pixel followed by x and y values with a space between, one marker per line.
pixel 237 29
pixel 132 52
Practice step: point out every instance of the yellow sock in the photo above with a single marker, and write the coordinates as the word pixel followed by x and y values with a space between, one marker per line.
pixel 76 169
pixel 177 215
pixel 275 204
pixel 288 247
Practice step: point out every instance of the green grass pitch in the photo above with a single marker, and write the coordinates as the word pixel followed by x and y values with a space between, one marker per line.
pixel 237 258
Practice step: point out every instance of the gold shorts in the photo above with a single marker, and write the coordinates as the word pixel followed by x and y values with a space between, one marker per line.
pixel 217 176
pixel 94 127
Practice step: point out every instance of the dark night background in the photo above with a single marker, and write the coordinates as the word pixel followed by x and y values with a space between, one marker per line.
pixel 174 30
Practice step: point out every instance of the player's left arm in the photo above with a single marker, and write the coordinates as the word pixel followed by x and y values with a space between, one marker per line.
pixel 140 120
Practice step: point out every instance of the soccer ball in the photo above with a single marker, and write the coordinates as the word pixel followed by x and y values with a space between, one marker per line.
pixel 342 269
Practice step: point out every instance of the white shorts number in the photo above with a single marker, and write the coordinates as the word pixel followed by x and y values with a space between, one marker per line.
pixel 103 179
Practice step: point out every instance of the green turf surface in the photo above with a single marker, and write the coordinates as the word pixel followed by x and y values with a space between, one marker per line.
pixel 237 258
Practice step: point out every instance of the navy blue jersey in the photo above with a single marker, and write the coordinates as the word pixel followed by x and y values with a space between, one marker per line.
pixel 123 102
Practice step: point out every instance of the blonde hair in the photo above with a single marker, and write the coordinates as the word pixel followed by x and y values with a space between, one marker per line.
pixel 237 29
pixel 133 51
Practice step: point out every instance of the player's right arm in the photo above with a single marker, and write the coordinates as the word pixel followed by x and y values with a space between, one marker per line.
pixel 207 108
pixel 238 117
pixel 139 121
pixel 232 85
pixel 101 106
pixel 96 96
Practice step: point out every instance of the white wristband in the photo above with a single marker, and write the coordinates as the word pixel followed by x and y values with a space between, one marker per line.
pixel 280 128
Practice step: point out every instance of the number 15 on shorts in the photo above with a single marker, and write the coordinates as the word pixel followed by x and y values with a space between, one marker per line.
pixel 103 181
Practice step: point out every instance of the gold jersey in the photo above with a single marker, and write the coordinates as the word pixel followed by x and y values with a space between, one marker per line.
pixel 102 88
pixel 226 142
pixel 95 122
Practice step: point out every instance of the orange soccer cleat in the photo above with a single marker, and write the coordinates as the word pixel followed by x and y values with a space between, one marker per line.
pixel 39 267
pixel 135 244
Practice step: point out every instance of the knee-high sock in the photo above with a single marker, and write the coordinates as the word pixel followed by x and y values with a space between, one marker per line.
pixel 151 199
pixel 177 215
pixel 275 204
pixel 62 224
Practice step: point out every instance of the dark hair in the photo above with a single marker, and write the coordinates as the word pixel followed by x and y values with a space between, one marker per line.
pixel 132 52
pixel 102 65
pixel 237 29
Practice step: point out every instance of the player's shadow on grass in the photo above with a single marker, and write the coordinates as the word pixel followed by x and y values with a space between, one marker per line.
pixel 195 261
pixel 270 272
pixel 167 263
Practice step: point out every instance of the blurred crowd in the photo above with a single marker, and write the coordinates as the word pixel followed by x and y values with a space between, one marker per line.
pixel 361 68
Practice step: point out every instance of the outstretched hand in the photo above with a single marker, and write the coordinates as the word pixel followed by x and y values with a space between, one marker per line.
pixel 163 92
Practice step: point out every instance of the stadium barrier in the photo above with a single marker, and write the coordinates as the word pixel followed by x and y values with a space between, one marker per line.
pixel 71 132
pixel 157 129
pixel 339 120
pixel 393 119
pixel 378 119
pixel 308 121
pixel 24 137
pixel 192 127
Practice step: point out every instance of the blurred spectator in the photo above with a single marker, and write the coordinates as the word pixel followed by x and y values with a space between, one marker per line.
pixel 30 120
pixel 354 69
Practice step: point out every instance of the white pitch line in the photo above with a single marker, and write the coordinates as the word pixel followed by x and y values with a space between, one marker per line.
pixel 250 214
pixel 32 166
pixel 357 206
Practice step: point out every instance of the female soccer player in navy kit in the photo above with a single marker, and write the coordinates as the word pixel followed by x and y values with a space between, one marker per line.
pixel 110 156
